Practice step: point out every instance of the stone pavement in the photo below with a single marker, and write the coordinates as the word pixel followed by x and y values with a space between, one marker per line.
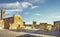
pixel 52 32
pixel 8 33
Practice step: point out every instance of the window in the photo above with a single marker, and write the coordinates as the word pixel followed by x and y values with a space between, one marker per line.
pixel 19 18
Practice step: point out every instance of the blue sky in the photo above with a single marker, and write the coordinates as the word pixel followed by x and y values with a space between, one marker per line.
pixel 33 10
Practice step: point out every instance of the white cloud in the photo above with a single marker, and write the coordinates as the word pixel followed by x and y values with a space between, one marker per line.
pixel 10 5
pixel 33 7
pixel 26 4
pixel 17 6
pixel 17 10
pixel 13 11
pixel 37 14
pixel 10 12
pixel 36 1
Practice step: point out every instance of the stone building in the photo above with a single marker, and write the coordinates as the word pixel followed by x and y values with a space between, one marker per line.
pixel 3 14
pixel 34 24
pixel 1 24
pixel 49 27
pixel 14 22
pixel 45 26
pixel 57 25
pixel 30 26
pixel 2 17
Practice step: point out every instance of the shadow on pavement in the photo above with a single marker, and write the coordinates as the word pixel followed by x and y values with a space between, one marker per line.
pixel 28 35
pixel 53 33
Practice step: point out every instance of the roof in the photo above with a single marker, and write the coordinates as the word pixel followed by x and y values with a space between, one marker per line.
pixel 56 21
pixel 17 15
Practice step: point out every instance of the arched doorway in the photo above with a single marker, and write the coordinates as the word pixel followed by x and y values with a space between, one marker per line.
pixel 6 24
pixel 18 28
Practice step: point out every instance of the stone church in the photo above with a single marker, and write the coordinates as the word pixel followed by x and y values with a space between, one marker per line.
pixel 14 22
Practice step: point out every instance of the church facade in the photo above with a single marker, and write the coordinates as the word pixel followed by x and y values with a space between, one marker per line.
pixel 14 22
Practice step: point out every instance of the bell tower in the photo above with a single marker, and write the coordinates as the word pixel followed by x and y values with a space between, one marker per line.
pixel 34 24
pixel 3 13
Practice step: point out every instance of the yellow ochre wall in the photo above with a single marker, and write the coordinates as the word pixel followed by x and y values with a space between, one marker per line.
pixel 18 22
